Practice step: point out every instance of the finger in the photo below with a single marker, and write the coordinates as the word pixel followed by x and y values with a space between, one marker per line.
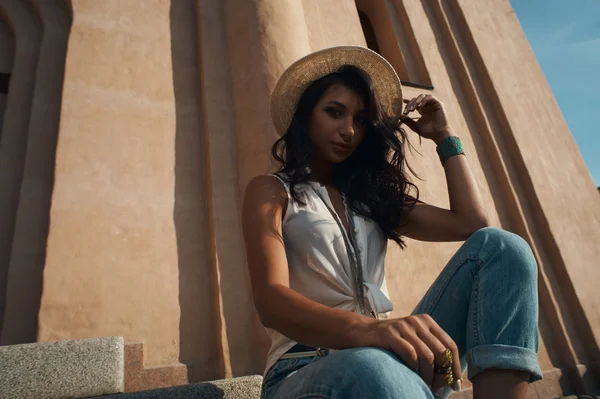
pixel 407 106
pixel 426 98
pixel 439 382
pixel 411 124
pixel 406 352
pixel 449 343
pixel 424 323
pixel 426 358
pixel 438 349
pixel 416 101
pixel 425 103
pixel 428 104
pixel 410 332
pixel 441 379
pixel 411 104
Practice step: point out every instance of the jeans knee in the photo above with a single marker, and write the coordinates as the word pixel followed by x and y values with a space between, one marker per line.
pixel 492 235
pixel 513 247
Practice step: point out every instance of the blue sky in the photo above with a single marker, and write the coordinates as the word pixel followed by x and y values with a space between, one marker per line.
pixel 565 37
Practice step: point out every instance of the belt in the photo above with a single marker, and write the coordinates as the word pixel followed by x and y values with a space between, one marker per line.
pixel 299 351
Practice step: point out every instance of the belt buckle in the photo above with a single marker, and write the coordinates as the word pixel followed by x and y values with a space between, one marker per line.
pixel 321 352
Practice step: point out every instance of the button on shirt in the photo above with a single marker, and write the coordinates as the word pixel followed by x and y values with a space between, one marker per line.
pixel 319 263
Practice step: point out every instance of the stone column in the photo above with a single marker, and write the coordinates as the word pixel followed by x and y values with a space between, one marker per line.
pixel 128 232
pixel 263 38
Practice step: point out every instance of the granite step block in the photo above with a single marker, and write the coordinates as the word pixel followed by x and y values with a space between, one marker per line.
pixel 62 369
pixel 231 388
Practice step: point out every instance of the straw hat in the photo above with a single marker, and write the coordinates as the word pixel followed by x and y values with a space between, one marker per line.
pixel 306 70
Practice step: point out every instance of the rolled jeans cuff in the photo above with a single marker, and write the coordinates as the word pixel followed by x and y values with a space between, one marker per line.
pixel 485 357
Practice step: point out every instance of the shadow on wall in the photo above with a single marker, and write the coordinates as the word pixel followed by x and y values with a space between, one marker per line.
pixel 476 121
pixel 199 343
pixel 7 52
pixel 35 87
pixel 480 105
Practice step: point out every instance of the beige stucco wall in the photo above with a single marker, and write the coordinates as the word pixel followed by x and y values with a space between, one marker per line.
pixel 332 23
pixel 562 204
pixel 165 118
pixel 128 232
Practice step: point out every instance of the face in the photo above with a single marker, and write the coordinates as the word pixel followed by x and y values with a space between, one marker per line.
pixel 337 124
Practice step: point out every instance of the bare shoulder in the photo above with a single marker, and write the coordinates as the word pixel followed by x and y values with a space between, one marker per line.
pixel 265 188
pixel 264 193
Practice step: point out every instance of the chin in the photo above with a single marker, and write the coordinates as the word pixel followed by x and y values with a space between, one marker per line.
pixel 338 158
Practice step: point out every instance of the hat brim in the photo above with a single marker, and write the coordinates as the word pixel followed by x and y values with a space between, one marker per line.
pixel 302 73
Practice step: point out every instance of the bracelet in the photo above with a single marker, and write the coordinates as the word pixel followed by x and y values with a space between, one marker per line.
pixel 449 147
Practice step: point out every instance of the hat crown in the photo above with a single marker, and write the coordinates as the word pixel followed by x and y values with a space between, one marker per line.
pixel 298 76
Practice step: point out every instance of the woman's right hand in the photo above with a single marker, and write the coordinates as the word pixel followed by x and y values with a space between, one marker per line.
pixel 420 342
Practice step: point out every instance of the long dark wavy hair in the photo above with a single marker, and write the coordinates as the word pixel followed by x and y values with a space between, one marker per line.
pixel 374 177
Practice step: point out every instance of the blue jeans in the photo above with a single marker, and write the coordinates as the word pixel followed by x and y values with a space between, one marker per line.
pixel 485 299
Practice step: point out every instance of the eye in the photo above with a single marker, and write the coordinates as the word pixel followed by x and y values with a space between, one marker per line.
pixel 363 120
pixel 333 112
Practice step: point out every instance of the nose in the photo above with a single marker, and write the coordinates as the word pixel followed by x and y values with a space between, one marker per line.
pixel 347 129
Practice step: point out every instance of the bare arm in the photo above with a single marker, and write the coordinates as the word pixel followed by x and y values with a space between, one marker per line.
pixel 466 214
pixel 417 339
pixel 278 306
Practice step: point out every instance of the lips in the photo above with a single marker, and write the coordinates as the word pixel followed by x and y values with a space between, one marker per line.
pixel 342 147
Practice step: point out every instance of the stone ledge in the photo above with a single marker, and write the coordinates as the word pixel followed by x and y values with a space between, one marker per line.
pixel 141 378
pixel 62 369
pixel 231 388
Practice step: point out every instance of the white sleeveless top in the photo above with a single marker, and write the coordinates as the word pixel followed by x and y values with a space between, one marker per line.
pixel 319 263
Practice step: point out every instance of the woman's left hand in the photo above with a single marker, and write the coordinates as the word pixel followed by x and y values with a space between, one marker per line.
pixel 433 123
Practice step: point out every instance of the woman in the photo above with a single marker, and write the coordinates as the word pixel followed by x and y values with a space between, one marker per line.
pixel 316 235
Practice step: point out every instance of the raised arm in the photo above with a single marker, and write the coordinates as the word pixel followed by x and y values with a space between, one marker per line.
pixel 466 214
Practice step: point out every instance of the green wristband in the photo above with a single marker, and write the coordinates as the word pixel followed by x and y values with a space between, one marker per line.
pixel 449 147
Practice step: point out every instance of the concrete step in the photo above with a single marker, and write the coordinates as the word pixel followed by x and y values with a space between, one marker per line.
pixel 231 388
pixel 63 369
